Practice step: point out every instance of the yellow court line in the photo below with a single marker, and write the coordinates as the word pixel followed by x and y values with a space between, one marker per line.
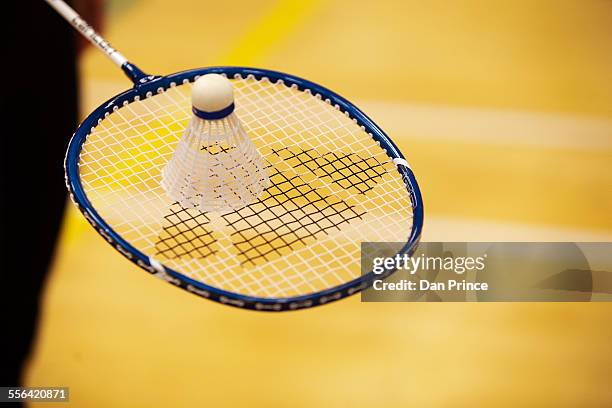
pixel 278 22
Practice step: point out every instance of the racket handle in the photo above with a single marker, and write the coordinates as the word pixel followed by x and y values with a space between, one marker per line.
pixel 87 31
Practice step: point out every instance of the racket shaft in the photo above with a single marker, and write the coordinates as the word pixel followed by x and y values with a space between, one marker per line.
pixel 87 31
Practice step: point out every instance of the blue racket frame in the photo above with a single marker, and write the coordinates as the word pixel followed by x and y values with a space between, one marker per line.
pixel 146 86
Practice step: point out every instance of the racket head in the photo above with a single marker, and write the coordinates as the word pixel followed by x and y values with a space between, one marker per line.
pixel 151 86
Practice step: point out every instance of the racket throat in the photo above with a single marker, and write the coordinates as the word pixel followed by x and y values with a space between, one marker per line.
pixel 136 75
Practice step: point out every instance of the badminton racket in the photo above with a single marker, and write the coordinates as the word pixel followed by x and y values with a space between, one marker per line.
pixel 335 180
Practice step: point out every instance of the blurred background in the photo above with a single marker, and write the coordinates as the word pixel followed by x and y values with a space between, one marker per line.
pixel 503 109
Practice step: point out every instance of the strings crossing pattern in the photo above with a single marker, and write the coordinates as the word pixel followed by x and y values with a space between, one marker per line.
pixel 277 221
pixel 331 188
pixel 185 233
pixel 349 170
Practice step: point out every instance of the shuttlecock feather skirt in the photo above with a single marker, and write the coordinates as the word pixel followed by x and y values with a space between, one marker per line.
pixel 215 167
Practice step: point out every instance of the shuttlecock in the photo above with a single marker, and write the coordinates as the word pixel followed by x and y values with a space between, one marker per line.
pixel 215 167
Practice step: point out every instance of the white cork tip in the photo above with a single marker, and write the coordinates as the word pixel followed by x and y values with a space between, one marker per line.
pixel 212 93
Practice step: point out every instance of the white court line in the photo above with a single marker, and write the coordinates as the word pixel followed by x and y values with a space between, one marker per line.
pixel 474 125
pixel 488 126
pixel 438 228
pixel 451 229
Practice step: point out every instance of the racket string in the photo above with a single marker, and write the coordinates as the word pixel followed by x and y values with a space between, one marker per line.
pixel 304 140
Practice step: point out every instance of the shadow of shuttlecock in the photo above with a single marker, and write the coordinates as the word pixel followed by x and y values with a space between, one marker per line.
pixel 292 211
